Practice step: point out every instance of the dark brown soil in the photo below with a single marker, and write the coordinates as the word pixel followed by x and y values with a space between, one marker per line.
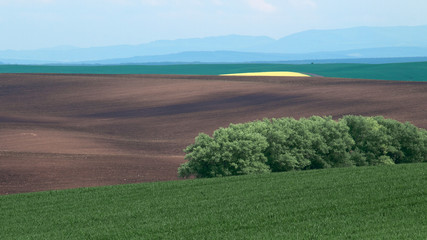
pixel 67 131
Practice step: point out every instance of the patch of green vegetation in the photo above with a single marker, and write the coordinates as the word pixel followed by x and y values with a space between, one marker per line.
pixel 286 144
pixel 383 202
pixel 394 71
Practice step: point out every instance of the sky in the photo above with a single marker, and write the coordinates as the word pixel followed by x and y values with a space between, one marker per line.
pixel 34 24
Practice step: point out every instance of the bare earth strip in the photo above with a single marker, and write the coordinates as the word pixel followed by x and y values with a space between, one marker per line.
pixel 66 131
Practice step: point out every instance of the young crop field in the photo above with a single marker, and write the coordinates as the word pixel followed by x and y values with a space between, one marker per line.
pixel 387 202
pixel 394 71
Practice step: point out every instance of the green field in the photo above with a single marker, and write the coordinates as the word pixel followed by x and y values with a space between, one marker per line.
pixel 393 71
pixel 387 202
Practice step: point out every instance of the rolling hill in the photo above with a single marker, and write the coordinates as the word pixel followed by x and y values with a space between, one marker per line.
pixel 387 202
pixel 61 131
pixel 414 71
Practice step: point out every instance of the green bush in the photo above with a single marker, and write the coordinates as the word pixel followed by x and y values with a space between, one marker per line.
pixel 230 151
pixel 286 144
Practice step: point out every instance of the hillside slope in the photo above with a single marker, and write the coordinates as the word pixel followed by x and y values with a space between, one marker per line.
pixel 387 202
pixel 65 131
pixel 415 71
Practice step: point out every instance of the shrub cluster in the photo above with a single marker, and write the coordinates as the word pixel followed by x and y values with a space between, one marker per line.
pixel 286 144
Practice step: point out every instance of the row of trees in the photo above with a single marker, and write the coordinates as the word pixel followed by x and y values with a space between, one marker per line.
pixel 286 144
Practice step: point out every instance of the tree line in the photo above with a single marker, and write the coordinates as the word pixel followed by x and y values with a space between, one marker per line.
pixel 285 144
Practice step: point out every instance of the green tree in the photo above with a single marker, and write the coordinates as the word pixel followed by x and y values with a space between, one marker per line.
pixel 407 143
pixel 289 145
pixel 230 151
pixel 371 139
pixel 333 143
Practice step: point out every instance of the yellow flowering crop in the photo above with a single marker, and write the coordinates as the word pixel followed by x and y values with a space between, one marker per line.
pixel 279 74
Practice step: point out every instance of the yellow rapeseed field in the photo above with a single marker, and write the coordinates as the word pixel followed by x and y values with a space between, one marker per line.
pixel 279 74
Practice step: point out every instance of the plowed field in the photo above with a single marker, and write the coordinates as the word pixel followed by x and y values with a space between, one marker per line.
pixel 66 131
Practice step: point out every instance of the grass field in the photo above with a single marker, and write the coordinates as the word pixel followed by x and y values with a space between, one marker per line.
pixel 388 202
pixel 394 71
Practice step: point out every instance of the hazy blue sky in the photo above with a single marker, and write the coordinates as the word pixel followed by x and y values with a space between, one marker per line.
pixel 31 24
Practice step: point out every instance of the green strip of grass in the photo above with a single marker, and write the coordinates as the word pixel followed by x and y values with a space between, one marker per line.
pixel 388 202
pixel 393 71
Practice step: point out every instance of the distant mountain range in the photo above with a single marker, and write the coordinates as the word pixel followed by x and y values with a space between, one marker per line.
pixel 350 43
pixel 238 57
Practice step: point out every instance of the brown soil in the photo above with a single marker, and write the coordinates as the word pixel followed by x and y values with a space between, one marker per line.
pixel 67 131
